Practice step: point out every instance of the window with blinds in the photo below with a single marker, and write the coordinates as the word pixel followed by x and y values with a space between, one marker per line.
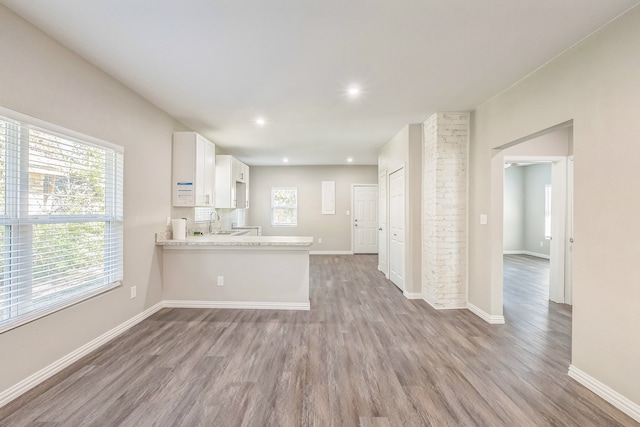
pixel 60 220
pixel 284 207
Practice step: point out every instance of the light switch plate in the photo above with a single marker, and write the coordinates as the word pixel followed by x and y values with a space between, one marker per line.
pixel 483 219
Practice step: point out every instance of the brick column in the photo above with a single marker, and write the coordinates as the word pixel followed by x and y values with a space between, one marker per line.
pixel 444 224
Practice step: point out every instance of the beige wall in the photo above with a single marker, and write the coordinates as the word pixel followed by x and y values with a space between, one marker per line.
pixel 248 275
pixel 41 78
pixel 335 230
pixel 405 150
pixel 596 85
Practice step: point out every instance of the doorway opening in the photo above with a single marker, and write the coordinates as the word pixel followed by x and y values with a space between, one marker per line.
pixel 546 234
pixel 527 225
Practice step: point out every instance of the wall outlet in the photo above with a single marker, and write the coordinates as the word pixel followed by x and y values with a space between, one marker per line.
pixel 133 292
pixel 483 219
pixel 541 244
pixel 319 239
pixel 220 280
pixel 348 213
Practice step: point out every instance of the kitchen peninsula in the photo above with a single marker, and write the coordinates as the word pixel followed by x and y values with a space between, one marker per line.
pixel 225 271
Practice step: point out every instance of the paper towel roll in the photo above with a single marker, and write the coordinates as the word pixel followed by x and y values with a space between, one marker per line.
pixel 179 227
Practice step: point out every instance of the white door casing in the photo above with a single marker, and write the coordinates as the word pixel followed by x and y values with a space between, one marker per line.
pixel 365 219
pixel 383 244
pixel 558 226
pixel 568 264
pixel 396 228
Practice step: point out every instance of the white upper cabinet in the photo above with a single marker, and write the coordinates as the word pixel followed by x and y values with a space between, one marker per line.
pixel 193 172
pixel 232 183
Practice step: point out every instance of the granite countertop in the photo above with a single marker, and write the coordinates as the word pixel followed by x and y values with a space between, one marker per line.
pixel 165 239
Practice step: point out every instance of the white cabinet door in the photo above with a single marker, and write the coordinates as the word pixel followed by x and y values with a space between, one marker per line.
pixel 193 170
pixel 232 183
pixel 205 172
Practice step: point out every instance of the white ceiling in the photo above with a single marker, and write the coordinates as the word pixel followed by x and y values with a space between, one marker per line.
pixel 216 65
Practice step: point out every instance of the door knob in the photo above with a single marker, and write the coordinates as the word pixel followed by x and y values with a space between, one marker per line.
pixel 380 229
pixel 355 225
pixel 571 239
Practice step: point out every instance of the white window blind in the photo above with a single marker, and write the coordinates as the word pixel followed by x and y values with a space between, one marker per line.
pixel 61 221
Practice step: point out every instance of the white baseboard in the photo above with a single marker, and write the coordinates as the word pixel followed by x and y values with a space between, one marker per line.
pixel 607 393
pixel 44 374
pixel 239 305
pixel 412 295
pixel 491 319
pixel 450 307
pixel 330 252
pixel 535 254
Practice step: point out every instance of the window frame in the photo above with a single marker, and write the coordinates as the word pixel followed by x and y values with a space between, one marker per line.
pixel 15 220
pixel 293 208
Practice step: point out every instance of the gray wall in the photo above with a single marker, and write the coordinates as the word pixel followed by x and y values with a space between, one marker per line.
pixel 43 79
pixel 536 177
pixel 524 208
pixel 514 209
pixel 335 230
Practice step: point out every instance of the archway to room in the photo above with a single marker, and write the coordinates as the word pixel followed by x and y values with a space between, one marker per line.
pixel 532 259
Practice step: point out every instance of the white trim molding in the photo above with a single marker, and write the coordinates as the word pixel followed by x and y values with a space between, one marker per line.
pixel 607 393
pixel 490 319
pixel 238 305
pixel 44 374
pixel 449 307
pixel 535 254
pixel 412 295
pixel 330 252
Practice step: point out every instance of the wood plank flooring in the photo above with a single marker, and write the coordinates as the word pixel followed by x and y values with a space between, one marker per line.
pixel 364 355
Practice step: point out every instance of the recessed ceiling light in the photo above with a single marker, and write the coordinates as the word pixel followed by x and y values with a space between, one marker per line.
pixel 354 91
pixel 350 159
pixel 285 160
pixel 260 121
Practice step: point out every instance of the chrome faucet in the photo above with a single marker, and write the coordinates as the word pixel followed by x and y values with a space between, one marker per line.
pixel 212 220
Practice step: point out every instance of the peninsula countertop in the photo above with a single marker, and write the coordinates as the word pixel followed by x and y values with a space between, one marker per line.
pixel 165 239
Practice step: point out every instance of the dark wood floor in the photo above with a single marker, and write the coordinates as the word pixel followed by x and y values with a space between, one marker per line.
pixel 364 355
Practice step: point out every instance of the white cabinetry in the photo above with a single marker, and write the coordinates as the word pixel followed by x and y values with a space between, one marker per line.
pixel 193 173
pixel 232 183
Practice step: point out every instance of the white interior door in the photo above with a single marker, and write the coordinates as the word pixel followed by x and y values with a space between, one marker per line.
pixel 568 265
pixel 383 264
pixel 365 219
pixel 396 228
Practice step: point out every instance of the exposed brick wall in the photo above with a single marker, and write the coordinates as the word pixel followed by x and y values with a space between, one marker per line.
pixel 444 225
